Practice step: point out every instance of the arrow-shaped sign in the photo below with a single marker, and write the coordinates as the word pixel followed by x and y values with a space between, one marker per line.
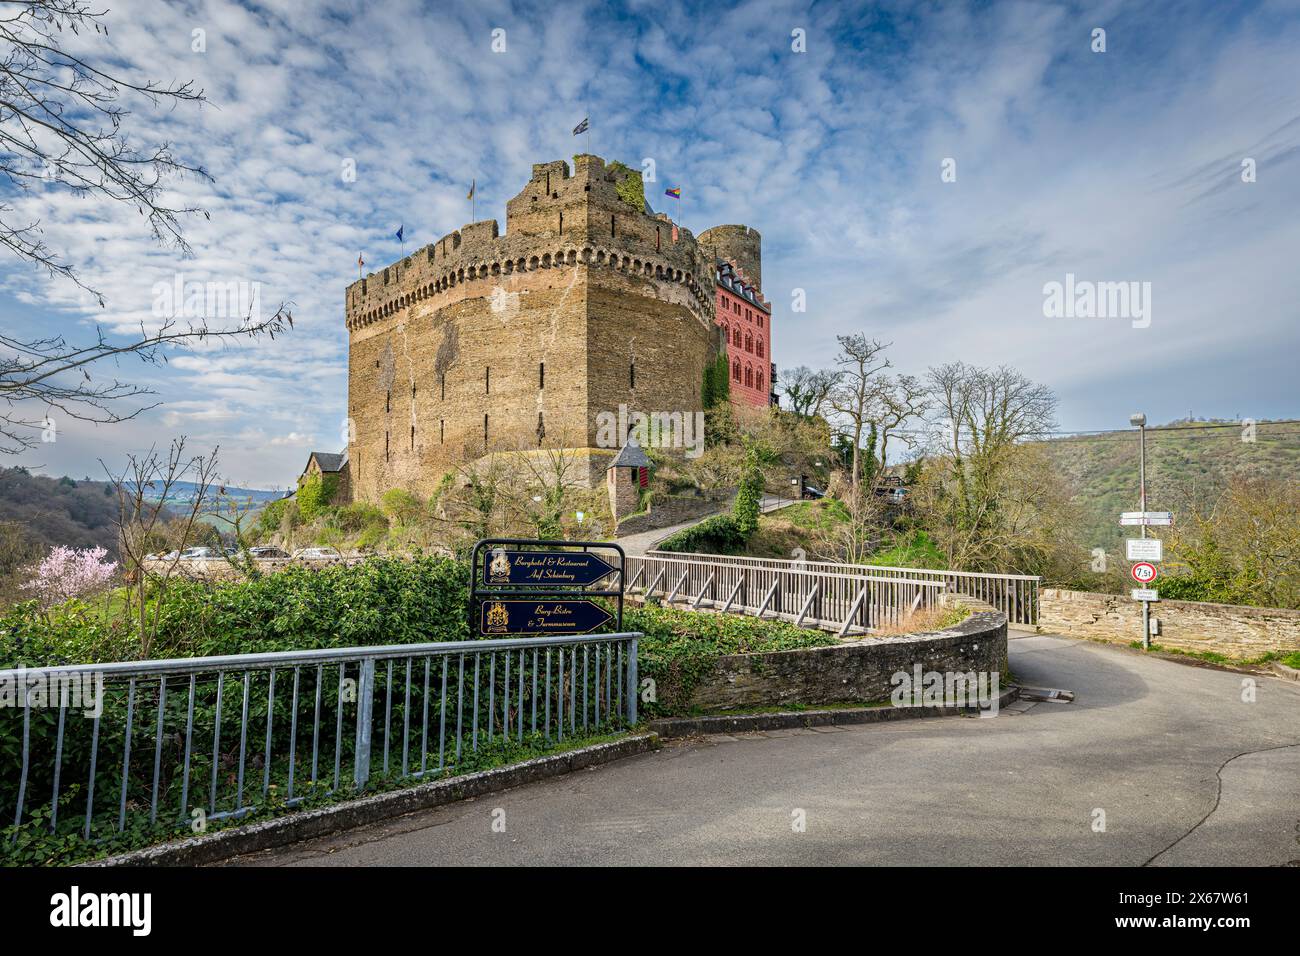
pixel 545 568
pixel 542 617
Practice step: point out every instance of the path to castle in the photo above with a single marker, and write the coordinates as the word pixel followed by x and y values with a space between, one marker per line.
pixel 1159 746
pixel 642 542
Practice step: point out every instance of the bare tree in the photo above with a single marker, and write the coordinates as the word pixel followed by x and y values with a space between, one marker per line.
pixel 63 125
pixel 54 373
pixel 144 487
pixel 808 390
pixel 980 488
pixel 860 361
pixel 899 400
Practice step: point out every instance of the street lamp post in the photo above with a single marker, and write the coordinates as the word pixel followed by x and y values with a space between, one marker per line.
pixel 1139 421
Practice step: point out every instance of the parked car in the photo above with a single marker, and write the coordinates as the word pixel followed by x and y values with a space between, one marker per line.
pixel 318 553
pixel 199 554
pixel 266 551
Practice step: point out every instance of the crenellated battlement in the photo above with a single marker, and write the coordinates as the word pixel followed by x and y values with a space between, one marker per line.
pixel 518 339
pixel 560 218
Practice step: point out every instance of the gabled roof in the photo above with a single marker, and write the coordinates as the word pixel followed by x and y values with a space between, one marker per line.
pixel 327 460
pixel 631 456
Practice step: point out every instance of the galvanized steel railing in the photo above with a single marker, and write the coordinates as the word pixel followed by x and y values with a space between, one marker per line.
pixel 1015 595
pixel 846 603
pixel 162 743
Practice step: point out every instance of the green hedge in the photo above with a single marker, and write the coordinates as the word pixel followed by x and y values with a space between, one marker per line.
pixel 381 601
pixel 680 649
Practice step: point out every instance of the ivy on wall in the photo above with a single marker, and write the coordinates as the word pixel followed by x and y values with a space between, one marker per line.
pixel 629 185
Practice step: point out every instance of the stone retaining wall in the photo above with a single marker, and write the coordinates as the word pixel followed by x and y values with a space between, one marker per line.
pixel 668 510
pixel 858 671
pixel 1229 629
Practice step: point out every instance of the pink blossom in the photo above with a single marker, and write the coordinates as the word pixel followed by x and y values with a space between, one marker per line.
pixel 69 572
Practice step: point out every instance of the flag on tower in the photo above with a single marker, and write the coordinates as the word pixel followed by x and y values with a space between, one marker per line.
pixel 581 127
pixel 675 192
pixel 398 234
pixel 472 183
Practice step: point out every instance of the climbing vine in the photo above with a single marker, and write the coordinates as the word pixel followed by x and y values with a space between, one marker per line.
pixel 629 185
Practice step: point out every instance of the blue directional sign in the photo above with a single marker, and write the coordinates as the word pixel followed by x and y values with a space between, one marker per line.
pixel 545 568
pixel 541 617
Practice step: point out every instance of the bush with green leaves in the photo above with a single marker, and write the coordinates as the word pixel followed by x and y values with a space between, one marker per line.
pixel 378 602
pixel 681 648
pixel 315 494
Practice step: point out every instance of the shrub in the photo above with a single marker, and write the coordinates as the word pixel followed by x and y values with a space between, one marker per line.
pixel 315 494
pixel 717 535
pixel 401 506
pixel 272 518
pixel 67 573
pixel 680 648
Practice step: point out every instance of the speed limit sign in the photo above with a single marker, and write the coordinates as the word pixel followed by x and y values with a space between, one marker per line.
pixel 1143 572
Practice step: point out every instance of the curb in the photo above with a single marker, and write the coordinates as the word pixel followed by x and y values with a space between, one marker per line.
pixel 672 727
pixel 224 844
pixel 1289 673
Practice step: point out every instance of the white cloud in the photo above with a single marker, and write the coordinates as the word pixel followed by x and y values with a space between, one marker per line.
pixel 1115 166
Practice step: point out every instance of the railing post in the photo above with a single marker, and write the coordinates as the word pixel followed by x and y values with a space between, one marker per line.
pixel 633 687
pixel 365 686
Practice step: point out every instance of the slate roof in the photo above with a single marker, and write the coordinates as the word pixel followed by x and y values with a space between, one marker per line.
pixel 328 461
pixel 727 278
pixel 631 456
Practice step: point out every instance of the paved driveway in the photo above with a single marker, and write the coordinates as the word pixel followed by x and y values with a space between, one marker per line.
pixel 1184 770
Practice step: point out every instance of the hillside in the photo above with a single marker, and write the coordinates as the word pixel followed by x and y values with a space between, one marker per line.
pixel 1196 462
pixel 53 511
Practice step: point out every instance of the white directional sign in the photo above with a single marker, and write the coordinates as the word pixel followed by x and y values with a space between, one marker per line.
pixel 1146 517
pixel 1145 549
pixel 1145 594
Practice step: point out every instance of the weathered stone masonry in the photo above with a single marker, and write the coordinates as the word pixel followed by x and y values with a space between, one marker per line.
pixel 1229 629
pixel 482 342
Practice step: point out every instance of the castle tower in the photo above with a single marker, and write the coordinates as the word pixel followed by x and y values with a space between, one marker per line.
pixel 742 246
pixel 482 342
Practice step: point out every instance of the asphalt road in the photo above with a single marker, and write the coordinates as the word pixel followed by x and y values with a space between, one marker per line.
pixel 1185 771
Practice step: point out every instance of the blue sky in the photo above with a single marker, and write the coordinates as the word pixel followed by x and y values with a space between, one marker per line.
pixel 1115 166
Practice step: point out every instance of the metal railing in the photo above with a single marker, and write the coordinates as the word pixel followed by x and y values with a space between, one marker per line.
pixel 215 737
pixel 846 603
pixel 1015 595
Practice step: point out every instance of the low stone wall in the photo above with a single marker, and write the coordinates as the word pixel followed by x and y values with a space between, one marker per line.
pixel 858 671
pixel 1229 629
pixel 674 509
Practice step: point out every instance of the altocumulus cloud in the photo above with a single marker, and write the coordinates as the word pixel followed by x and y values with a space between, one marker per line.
pixel 1115 166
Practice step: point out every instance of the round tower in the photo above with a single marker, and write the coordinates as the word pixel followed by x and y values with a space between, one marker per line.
pixel 739 244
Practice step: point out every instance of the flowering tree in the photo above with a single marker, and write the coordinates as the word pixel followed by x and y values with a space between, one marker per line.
pixel 68 573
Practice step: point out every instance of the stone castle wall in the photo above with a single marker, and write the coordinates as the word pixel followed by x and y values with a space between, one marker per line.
pixel 584 304
pixel 1229 629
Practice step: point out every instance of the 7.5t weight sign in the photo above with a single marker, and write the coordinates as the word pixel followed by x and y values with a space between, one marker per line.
pixel 1144 572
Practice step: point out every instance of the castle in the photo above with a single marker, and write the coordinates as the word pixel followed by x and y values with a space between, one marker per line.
pixel 482 342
